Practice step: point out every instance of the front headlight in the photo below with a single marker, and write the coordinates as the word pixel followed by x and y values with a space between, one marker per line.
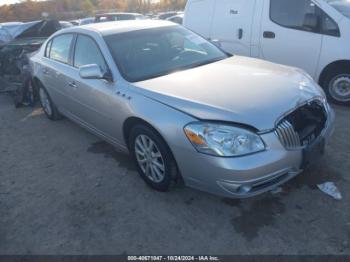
pixel 223 140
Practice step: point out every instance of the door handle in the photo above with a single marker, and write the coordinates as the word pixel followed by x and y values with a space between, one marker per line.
pixel 240 33
pixel 46 71
pixel 269 34
pixel 73 84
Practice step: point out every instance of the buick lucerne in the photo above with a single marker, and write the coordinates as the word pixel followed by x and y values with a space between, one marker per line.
pixel 184 109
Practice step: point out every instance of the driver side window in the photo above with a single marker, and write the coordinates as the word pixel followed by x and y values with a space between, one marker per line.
pixel 302 15
pixel 87 53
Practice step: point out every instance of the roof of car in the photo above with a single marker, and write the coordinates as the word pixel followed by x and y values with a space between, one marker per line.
pixel 116 27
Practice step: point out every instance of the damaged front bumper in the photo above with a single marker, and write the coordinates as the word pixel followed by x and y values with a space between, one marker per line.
pixel 251 175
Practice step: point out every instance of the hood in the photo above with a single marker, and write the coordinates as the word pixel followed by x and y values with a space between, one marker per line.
pixel 35 29
pixel 239 89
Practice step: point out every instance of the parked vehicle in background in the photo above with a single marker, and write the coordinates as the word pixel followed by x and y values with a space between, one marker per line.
pixel 312 35
pixel 74 22
pixel 83 21
pixel 7 31
pixel 178 19
pixel 185 110
pixel 150 15
pixel 86 21
pixel 15 73
pixel 108 17
pixel 165 15
pixel 65 24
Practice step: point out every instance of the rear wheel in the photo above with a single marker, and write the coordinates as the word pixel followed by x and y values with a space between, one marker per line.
pixel 337 86
pixel 47 105
pixel 153 158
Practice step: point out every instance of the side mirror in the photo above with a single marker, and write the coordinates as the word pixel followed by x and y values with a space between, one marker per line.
pixel 94 71
pixel 311 22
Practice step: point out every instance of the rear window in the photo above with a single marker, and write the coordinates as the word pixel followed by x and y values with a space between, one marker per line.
pixel 60 48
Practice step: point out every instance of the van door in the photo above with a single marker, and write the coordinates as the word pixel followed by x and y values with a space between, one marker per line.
pixel 198 16
pixel 232 25
pixel 291 33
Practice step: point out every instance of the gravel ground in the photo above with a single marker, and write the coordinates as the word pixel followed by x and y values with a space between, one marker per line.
pixel 63 191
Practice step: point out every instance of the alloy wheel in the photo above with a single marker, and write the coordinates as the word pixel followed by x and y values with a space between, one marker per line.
pixel 149 158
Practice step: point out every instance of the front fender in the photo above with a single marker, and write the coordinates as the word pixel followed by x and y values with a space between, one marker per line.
pixel 168 121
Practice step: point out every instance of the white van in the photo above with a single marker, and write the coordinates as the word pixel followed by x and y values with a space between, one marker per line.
pixel 310 34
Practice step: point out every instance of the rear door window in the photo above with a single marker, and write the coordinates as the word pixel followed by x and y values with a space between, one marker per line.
pixel 60 48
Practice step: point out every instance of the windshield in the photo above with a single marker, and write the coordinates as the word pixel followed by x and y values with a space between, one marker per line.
pixel 343 6
pixel 150 53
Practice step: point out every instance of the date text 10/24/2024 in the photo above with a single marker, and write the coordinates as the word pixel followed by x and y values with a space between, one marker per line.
pixel 173 258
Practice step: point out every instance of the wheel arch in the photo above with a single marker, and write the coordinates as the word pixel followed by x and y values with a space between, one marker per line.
pixel 36 85
pixel 133 121
pixel 36 82
pixel 330 67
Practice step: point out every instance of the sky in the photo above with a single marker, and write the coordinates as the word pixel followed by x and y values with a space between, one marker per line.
pixel 6 2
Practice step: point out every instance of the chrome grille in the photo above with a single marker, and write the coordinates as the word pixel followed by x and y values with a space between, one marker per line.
pixel 287 135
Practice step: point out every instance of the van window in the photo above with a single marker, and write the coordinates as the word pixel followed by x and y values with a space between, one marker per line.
pixel 92 56
pixel 296 14
pixel 60 48
pixel 329 26
pixel 302 15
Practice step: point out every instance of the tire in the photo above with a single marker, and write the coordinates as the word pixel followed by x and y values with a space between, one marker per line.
pixel 47 105
pixel 159 161
pixel 337 86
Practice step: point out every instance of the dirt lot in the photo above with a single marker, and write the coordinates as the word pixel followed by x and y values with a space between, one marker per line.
pixel 63 191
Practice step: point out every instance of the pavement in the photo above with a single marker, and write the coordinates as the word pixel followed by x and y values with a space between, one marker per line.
pixel 64 191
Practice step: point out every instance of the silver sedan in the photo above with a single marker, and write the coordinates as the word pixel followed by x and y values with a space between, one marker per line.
pixel 184 109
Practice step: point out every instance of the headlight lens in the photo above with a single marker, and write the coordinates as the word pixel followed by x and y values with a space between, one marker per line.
pixel 223 140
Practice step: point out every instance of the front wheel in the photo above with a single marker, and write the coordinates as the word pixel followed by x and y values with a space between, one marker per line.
pixel 153 158
pixel 337 86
